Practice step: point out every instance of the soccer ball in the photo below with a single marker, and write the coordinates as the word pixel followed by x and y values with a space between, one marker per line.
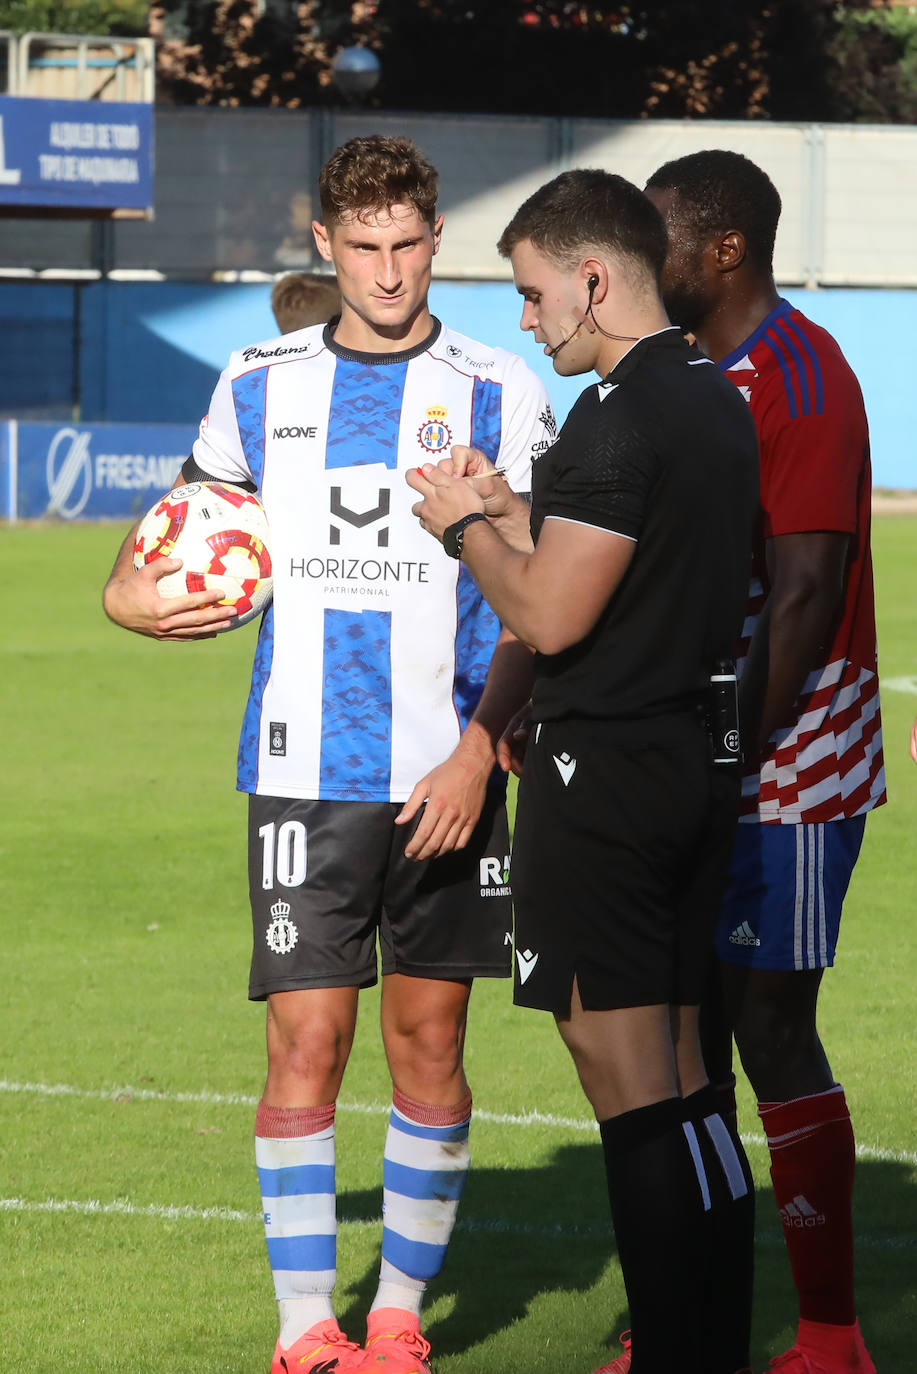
pixel 220 533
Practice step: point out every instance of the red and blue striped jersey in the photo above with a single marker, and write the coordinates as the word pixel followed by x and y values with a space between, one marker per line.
pixel 826 762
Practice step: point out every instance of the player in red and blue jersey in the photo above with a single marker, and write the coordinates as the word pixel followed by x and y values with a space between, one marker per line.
pixel 809 678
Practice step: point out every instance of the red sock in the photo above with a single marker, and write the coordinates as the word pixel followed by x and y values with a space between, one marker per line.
pixel 812 1162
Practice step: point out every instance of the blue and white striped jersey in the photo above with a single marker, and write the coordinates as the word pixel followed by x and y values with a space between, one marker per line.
pixel 373 655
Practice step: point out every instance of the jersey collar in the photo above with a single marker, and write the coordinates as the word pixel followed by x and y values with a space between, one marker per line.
pixel 624 366
pixel 351 355
pixel 782 308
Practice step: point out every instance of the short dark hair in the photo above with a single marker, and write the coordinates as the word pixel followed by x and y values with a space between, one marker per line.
pixel 719 191
pixel 299 299
pixel 590 208
pixel 373 173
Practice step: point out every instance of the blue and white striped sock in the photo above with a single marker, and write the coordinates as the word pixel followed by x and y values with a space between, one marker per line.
pixel 425 1167
pixel 294 1152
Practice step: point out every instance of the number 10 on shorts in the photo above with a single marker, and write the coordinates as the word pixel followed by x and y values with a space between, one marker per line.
pixel 283 854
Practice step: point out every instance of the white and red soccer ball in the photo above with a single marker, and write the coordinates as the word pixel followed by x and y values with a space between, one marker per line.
pixel 220 533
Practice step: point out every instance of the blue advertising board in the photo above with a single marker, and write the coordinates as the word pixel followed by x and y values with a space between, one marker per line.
pixel 75 154
pixel 88 472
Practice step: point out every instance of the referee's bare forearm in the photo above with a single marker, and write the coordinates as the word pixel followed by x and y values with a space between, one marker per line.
pixel 550 598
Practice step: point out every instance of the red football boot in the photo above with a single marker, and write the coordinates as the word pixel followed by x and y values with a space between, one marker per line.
pixel 323 1349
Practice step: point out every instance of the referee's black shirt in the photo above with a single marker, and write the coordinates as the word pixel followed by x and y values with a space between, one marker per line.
pixel 664 452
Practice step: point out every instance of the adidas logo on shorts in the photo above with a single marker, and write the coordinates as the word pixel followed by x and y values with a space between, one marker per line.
pixel 800 1215
pixel 744 935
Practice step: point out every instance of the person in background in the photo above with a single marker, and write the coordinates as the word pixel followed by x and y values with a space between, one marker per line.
pixel 809 688
pixel 300 299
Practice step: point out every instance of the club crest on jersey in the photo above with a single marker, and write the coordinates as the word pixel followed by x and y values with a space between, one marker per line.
pixel 282 935
pixel 435 435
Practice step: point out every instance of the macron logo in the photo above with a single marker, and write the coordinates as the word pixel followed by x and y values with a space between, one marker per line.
pixel 566 767
pixel 744 935
pixel 526 961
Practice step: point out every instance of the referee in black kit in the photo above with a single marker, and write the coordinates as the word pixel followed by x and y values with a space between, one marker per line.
pixel 632 596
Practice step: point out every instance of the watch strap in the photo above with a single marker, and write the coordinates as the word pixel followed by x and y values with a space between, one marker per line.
pixel 454 535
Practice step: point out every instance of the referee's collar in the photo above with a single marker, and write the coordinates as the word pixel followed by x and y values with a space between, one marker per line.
pixel 660 338
pixel 353 355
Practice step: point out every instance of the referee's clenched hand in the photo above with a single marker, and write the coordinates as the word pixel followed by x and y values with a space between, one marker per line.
pixel 445 498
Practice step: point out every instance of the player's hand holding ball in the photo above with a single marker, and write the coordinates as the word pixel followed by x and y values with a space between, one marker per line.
pixel 201 565
pixel 134 602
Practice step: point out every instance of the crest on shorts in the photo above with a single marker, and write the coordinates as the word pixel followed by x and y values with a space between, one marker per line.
pixel 282 934
pixel 434 434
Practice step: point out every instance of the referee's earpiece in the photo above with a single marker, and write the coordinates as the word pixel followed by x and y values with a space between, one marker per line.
pixel 592 323
pixel 586 318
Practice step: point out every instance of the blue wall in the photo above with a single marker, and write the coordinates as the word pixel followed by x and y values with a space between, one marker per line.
pixel 152 351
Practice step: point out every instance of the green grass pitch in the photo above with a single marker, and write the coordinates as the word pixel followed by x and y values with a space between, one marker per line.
pixel 131 1060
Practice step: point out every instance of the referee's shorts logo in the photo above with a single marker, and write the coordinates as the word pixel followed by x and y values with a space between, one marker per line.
pixel 566 767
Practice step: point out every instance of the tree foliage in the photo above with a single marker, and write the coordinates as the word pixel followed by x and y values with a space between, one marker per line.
pixel 874 53
pixel 237 52
pixel 121 18
pixel 728 59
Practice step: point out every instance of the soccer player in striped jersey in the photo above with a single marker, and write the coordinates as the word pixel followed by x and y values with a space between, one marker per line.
pixel 378 695
pixel 810 679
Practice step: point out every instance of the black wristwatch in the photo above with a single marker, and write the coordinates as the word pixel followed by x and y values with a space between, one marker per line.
pixel 453 535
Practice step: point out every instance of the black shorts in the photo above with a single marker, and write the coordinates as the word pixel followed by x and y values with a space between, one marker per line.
pixel 620 856
pixel 325 876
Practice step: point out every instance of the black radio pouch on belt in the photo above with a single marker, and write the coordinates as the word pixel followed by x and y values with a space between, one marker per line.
pixel 723 714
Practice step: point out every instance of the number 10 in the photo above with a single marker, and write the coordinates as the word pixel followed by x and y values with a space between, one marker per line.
pixel 288 848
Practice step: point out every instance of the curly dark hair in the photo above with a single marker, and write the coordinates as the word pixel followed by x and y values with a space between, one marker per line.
pixel 373 173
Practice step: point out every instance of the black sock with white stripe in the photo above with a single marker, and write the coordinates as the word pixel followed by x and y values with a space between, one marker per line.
pixel 659 1192
pixel 731 1220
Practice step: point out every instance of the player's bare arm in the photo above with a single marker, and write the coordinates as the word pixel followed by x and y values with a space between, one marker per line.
pixel 806 574
pixel 130 599
pixel 551 598
pixel 454 792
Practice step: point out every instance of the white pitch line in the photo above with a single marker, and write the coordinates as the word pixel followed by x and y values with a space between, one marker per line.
pixel 900 684
pixel 126 1093
pixel 93 1207
pixel 157 1212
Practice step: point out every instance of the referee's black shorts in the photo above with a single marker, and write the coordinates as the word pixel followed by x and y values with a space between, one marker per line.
pixel 620 854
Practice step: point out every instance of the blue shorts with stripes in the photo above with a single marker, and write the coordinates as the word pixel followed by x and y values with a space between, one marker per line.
pixel 787 884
